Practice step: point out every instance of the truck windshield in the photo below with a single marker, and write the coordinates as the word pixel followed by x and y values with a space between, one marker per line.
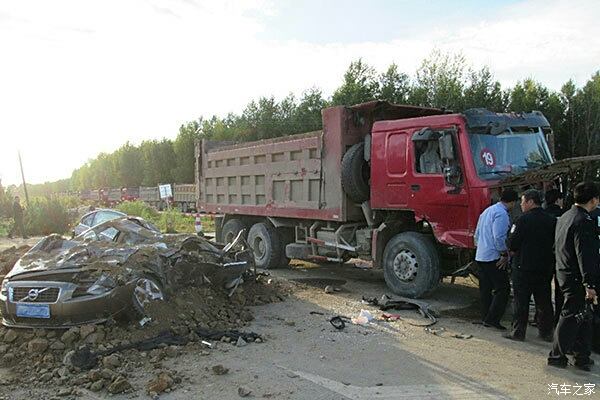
pixel 509 153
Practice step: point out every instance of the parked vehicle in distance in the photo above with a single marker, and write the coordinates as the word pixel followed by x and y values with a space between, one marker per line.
pixel 400 185
pixel 94 218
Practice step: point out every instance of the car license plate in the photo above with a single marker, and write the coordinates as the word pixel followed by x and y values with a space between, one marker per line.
pixel 33 310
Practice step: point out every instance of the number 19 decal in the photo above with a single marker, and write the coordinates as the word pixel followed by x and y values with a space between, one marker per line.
pixel 488 158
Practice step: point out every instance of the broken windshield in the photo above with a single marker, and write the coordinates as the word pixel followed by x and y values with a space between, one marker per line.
pixel 509 153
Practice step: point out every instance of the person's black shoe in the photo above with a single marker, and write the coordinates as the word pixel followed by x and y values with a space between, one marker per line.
pixel 513 337
pixel 584 364
pixel 557 363
pixel 546 338
pixel 496 325
pixel 583 367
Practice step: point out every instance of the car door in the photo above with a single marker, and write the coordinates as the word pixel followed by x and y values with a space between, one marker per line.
pixel 432 198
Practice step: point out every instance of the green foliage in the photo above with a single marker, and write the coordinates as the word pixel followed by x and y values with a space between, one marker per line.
pixel 139 209
pixel 46 215
pixel 360 85
pixel 169 221
pixel 183 147
pixel 173 221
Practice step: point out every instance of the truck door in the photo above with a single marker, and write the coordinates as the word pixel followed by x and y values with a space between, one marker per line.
pixel 437 191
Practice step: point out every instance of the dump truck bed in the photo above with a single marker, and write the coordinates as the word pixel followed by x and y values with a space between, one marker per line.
pixel 297 176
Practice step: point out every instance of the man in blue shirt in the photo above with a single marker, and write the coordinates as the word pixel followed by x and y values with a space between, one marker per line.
pixel 492 258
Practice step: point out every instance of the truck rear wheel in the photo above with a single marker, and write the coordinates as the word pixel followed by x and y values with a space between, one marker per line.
pixel 231 230
pixel 356 174
pixel 266 244
pixel 411 265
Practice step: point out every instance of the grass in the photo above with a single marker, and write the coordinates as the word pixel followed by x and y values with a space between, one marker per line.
pixel 169 221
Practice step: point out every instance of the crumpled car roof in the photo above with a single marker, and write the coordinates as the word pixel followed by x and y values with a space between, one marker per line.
pixel 141 248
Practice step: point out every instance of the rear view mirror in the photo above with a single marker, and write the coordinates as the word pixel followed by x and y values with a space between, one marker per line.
pixel 446 146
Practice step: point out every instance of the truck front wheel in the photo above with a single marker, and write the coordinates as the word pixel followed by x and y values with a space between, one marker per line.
pixel 266 244
pixel 411 264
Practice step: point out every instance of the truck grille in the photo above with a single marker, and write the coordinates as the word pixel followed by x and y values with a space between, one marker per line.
pixel 38 294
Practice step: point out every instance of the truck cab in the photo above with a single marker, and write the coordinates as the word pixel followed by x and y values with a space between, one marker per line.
pixel 441 168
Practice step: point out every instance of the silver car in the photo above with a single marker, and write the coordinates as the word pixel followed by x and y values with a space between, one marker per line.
pixel 94 218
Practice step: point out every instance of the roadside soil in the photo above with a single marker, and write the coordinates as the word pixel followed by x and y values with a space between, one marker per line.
pixel 302 356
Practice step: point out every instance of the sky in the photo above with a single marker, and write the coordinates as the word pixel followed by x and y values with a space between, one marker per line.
pixel 79 77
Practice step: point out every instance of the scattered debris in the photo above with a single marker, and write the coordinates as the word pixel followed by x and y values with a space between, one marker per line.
pixel 434 331
pixel 363 318
pixel 160 383
pixel 403 303
pixel 329 289
pixel 463 336
pixel 10 256
pixel 338 322
pixel 244 392
pixel 219 369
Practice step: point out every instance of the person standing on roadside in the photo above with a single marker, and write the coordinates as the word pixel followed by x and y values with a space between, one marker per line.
pixel 577 257
pixel 532 243
pixel 554 202
pixel 492 258
pixel 554 206
pixel 18 219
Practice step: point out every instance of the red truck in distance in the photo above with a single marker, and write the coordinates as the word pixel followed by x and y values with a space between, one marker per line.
pixel 402 186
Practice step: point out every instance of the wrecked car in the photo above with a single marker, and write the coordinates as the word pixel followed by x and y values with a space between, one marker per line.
pixel 113 270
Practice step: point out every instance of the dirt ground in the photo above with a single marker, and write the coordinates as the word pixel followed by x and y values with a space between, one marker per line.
pixel 304 357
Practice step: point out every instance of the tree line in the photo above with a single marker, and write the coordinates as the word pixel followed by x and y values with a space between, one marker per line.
pixel 442 80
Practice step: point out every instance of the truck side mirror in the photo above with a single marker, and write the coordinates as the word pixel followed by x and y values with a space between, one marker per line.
pixel 446 146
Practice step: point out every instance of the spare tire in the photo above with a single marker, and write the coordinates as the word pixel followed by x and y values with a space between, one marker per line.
pixel 356 173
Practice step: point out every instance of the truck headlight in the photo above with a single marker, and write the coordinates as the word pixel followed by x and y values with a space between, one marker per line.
pixel 102 285
pixel 3 288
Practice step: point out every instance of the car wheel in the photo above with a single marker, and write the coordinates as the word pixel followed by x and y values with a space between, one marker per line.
pixel 146 290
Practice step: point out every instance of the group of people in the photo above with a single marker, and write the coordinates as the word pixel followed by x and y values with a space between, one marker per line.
pixel 545 244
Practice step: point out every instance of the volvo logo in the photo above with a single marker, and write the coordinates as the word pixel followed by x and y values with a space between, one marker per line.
pixel 33 294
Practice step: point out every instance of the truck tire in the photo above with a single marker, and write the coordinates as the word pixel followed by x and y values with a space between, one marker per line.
pixel 231 230
pixel 356 173
pixel 411 265
pixel 266 244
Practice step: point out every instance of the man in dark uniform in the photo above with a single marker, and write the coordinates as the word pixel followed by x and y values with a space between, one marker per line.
pixel 554 206
pixel 531 242
pixel 18 218
pixel 577 257
pixel 554 202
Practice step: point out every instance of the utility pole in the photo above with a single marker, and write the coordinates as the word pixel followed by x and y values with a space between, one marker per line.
pixel 23 176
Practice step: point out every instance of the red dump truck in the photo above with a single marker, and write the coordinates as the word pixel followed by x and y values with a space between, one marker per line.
pixel 402 186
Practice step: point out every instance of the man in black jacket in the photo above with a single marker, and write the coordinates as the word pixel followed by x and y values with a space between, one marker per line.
pixel 554 202
pixel 577 261
pixel 531 242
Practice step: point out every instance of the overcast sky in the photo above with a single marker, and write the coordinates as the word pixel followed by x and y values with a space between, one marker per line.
pixel 80 77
